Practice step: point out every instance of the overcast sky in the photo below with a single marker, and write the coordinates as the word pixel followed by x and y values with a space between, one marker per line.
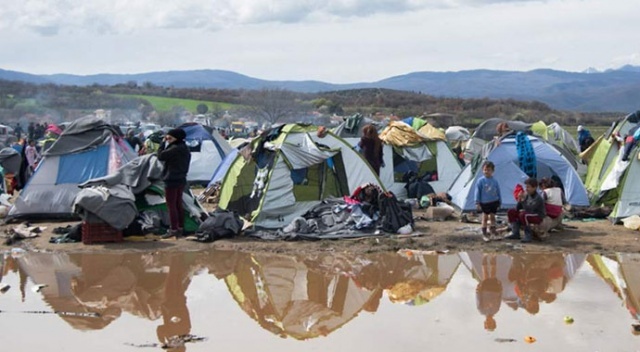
pixel 331 40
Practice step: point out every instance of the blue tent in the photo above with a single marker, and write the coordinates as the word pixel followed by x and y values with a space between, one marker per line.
pixel 550 162
pixel 207 151
pixel 87 149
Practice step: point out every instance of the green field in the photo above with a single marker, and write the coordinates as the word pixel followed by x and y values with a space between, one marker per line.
pixel 166 104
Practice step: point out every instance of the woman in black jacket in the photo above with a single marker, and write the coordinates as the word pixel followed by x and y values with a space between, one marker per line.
pixel 176 157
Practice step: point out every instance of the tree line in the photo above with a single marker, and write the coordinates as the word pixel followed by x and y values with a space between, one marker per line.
pixel 277 105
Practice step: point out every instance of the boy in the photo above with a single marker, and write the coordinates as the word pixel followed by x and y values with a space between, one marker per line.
pixel 488 199
pixel 530 210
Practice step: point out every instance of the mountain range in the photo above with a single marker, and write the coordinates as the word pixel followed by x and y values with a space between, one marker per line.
pixel 615 90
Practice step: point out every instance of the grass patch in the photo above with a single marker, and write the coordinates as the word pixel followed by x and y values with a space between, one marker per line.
pixel 166 104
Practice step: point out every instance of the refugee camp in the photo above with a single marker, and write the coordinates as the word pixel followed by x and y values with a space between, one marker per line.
pixel 320 176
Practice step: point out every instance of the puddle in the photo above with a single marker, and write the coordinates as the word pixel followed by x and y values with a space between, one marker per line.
pixel 199 301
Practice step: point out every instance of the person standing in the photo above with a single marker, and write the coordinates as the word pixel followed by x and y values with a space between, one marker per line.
pixel 176 157
pixel 134 141
pixel 584 138
pixel 371 146
pixel 18 131
pixel 488 199
pixel 32 155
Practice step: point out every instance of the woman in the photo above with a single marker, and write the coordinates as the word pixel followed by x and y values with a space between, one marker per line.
pixel 371 146
pixel 176 157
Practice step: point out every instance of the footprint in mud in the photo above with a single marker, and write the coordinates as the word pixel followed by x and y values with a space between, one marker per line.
pixel 504 340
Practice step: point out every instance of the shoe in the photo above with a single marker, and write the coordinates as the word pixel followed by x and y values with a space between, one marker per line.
pixel 526 240
pixel 512 237
pixel 170 234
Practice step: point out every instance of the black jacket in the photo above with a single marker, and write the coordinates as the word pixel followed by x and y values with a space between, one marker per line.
pixel 176 158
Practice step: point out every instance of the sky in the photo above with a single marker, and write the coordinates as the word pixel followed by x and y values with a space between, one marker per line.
pixel 337 41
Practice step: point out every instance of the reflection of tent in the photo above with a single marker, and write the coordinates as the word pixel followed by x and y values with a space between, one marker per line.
pixel 409 150
pixel 424 282
pixel 92 290
pixel 88 148
pixel 58 272
pixel 622 274
pixel 207 151
pixel 293 297
pixel 291 170
pixel 550 163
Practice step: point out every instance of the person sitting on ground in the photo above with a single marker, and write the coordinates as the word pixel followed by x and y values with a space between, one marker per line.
pixel 530 210
pixel 488 199
pixel 553 197
pixel 584 138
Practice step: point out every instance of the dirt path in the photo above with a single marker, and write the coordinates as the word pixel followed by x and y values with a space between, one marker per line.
pixel 583 237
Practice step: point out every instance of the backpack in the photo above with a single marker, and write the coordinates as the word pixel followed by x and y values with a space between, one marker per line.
pixel 220 224
pixel 393 213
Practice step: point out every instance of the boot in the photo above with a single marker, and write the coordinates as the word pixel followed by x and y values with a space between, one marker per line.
pixel 515 232
pixel 527 235
pixel 170 234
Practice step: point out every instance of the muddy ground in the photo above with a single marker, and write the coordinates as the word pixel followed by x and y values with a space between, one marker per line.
pixel 578 236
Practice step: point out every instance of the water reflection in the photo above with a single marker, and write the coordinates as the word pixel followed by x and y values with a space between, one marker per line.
pixel 622 274
pixel 521 281
pixel 303 296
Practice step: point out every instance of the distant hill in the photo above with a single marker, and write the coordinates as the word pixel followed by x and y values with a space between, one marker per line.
pixel 612 90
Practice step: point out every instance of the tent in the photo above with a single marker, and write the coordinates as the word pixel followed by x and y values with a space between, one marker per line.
pixel 292 168
pixel 88 148
pixel 135 188
pixel 352 126
pixel 550 162
pixel 601 155
pixel 409 150
pixel 457 136
pixel 619 186
pixel 207 151
pixel 486 131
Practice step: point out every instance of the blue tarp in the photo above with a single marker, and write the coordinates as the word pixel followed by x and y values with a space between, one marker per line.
pixel 196 132
pixel 81 167
pixel 222 169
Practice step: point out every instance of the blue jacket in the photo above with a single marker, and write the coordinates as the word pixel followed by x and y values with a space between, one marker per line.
pixel 487 190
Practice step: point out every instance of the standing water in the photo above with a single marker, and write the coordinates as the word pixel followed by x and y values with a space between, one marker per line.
pixel 235 301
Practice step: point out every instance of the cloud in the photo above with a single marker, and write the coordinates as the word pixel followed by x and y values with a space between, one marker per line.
pixel 125 16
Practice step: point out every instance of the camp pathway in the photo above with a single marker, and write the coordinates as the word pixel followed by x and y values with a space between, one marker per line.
pixel 597 236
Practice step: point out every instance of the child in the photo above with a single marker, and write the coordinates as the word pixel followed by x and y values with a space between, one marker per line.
pixel 530 210
pixel 488 199
pixel 553 197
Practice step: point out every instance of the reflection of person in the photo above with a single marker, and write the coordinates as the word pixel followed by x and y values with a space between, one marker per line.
pixel 530 210
pixel 537 277
pixel 176 157
pixel 489 292
pixel 371 147
pixel 488 198
pixel 175 313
